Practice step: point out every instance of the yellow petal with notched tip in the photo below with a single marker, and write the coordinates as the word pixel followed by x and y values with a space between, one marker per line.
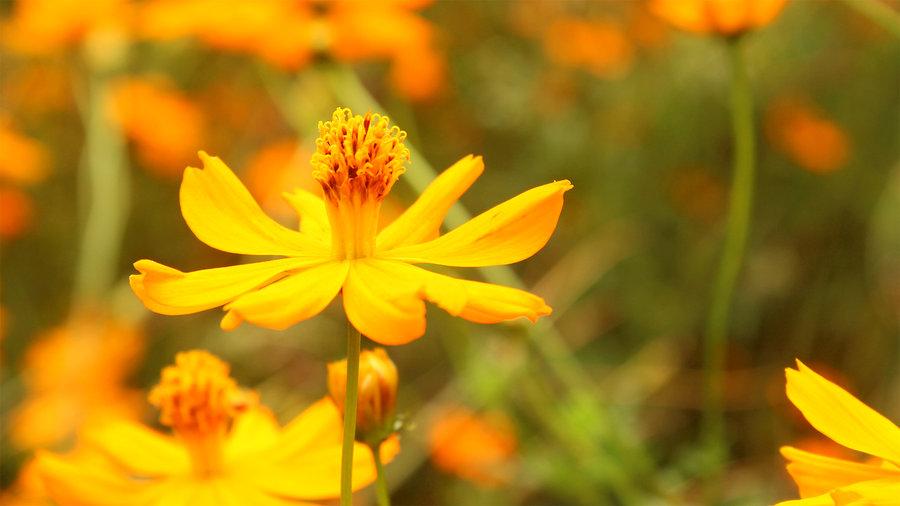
pixel 166 290
pixel 298 296
pixel 840 416
pixel 504 234
pixel 422 220
pixel 222 213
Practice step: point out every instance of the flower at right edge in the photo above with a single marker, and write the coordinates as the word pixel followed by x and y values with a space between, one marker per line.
pixel 824 480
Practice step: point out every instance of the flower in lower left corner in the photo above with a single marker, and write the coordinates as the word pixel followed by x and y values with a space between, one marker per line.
pixel 227 449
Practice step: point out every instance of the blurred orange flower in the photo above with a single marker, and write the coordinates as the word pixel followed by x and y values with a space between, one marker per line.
pixel 475 447
pixel 339 249
pixel 826 480
pixel 23 162
pixel 163 123
pixel 227 449
pixel 724 17
pixel 41 27
pixel 74 374
pixel 598 46
pixel 28 489
pixel 288 33
pixel 277 168
pixel 806 136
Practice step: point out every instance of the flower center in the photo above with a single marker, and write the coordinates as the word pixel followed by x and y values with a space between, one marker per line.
pixel 357 161
pixel 198 399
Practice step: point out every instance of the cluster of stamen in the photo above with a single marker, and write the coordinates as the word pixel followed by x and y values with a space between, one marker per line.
pixel 358 156
pixel 198 399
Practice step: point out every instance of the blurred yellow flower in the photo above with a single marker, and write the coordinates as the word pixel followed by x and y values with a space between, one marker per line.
pixel 163 123
pixel 338 248
pixel 825 480
pixel 806 136
pixel 74 375
pixel 724 17
pixel 227 449
pixel 476 447
pixel 288 33
pixel 598 46
pixel 377 393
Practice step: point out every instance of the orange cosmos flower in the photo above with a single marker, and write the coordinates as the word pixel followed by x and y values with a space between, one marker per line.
pixel 41 27
pixel 163 123
pixel 807 136
pixel 723 17
pixel 338 248
pixel 74 375
pixel 227 449
pixel 23 162
pixel 598 46
pixel 474 447
pixel 826 480
pixel 288 33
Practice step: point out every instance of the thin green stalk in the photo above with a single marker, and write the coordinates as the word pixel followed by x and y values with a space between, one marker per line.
pixel 382 496
pixel 352 391
pixel 735 244
pixel 879 13
pixel 104 196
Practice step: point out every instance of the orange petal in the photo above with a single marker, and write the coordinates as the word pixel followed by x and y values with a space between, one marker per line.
pixel 295 298
pixel 818 474
pixel 505 234
pixel 840 416
pixel 169 291
pixel 222 213
pixel 422 220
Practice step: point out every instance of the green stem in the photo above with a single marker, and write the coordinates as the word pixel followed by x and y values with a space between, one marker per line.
pixel 352 391
pixel 735 244
pixel 879 13
pixel 382 495
pixel 104 194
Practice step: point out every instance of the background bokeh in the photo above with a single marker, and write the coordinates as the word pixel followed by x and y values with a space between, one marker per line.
pixel 634 112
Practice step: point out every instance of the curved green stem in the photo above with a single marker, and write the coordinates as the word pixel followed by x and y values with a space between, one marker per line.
pixel 352 391
pixel 383 497
pixel 104 193
pixel 735 244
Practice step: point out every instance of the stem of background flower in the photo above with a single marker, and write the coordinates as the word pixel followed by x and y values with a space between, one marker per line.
pixel 544 337
pixel 103 193
pixel 879 13
pixel 382 496
pixel 352 391
pixel 735 243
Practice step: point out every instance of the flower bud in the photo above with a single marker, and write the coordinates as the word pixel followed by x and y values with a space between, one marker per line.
pixel 377 393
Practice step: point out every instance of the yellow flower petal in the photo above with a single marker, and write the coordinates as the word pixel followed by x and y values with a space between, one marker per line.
pixel 422 220
pixel 840 416
pixel 819 500
pixel 869 493
pixel 255 430
pixel 295 298
pixel 313 216
pixel 83 484
pixel 313 428
pixel 138 449
pixel 818 474
pixel 505 234
pixel 382 306
pixel 169 291
pixel 316 474
pixel 222 213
